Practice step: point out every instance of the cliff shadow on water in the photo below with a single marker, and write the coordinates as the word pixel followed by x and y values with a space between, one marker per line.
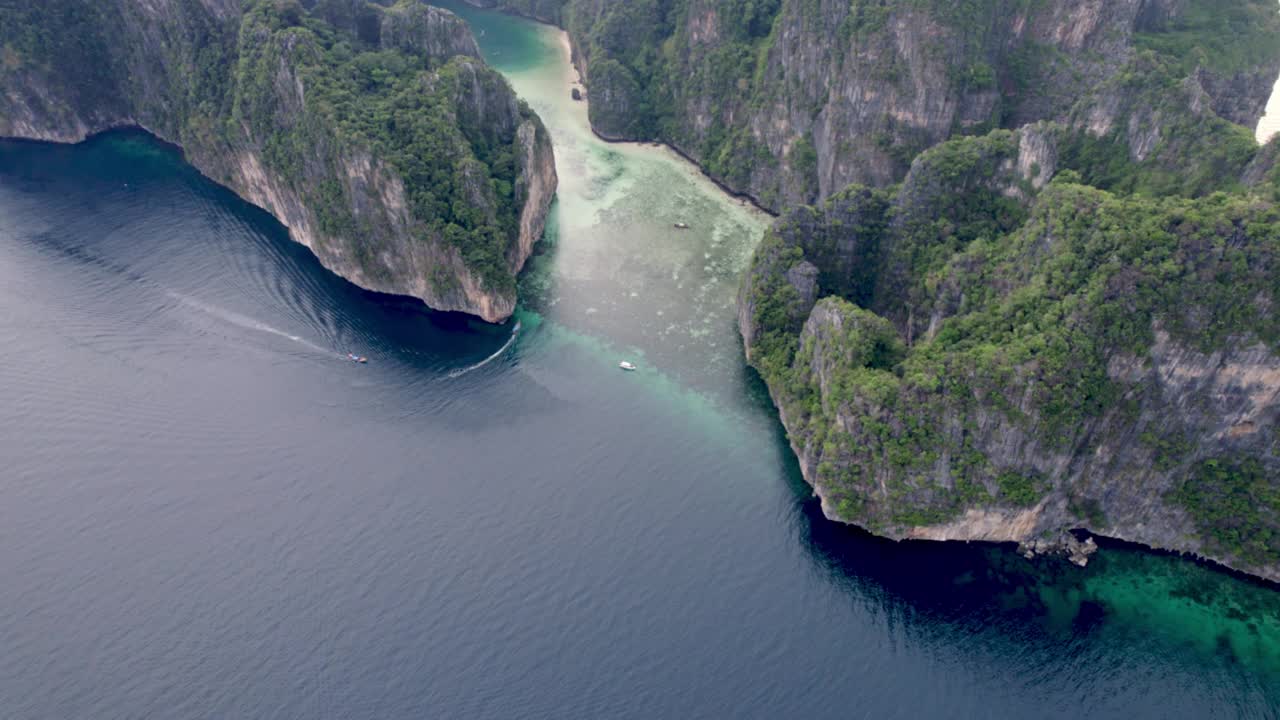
pixel 132 171
pixel 379 138
pixel 1150 607
pixel 1147 606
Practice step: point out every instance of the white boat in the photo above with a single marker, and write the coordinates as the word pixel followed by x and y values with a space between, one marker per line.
pixel 626 365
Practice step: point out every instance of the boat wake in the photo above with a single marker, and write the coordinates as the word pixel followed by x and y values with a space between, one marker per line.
pixel 463 371
pixel 245 322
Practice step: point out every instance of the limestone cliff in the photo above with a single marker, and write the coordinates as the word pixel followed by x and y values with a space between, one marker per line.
pixel 376 134
pixel 790 101
pixel 985 354
pixel 1061 318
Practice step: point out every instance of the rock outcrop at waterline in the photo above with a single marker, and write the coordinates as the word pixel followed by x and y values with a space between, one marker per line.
pixel 996 351
pixel 375 134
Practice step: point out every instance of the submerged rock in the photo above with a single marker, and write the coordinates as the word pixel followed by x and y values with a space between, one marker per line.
pixel 1076 551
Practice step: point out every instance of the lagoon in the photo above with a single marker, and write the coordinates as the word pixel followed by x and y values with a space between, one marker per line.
pixel 208 512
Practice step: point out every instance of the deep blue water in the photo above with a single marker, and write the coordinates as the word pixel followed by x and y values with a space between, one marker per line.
pixel 205 512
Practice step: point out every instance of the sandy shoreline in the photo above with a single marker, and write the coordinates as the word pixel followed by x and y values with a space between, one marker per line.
pixel 573 79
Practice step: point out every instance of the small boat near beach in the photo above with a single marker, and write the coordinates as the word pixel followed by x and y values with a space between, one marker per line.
pixel 627 366
pixel 682 226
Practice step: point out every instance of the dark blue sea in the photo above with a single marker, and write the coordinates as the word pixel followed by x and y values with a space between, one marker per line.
pixel 207 512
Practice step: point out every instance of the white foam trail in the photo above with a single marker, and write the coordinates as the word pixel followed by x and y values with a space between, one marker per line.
pixel 243 321
pixel 514 331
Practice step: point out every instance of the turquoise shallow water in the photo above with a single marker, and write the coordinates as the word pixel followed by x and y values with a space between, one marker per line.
pixel 208 513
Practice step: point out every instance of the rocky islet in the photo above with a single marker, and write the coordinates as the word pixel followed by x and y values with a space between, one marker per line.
pixel 375 134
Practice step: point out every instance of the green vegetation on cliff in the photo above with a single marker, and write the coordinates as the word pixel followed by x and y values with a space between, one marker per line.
pixel 459 169
pixel 57 38
pixel 374 130
pixel 1236 506
pixel 791 100
pixel 1026 345
pixel 1221 36
pixel 949 331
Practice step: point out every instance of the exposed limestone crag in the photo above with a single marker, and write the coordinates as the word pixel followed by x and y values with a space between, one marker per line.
pixel 275 102
pixel 1000 358
pixel 791 101
pixel 984 353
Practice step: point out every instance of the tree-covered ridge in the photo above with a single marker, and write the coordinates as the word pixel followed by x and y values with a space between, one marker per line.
pixel 57 38
pixel 1225 37
pixel 1046 349
pixel 373 130
pixel 411 109
pixel 790 100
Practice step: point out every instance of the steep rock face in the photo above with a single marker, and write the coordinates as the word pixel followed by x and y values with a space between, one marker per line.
pixel 364 155
pixel 981 354
pixel 1017 357
pixel 421 29
pixel 535 190
pixel 790 101
pixel 1114 476
pixel 811 250
pixel 870 245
